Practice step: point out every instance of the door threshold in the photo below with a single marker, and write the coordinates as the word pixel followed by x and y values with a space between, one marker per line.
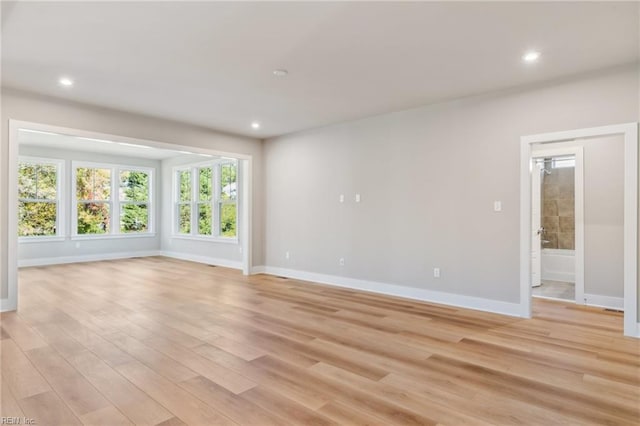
pixel 557 299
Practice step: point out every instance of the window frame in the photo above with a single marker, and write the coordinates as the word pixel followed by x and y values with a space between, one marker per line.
pixel 114 201
pixel 60 197
pixel 215 203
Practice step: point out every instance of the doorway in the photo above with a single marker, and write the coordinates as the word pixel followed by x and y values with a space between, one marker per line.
pixel 629 252
pixel 557 217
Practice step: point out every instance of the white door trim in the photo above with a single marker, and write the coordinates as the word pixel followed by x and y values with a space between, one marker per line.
pixel 10 303
pixel 630 133
pixel 578 152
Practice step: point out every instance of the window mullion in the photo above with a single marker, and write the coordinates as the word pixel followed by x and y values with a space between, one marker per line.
pixel 114 201
pixel 216 199
pixel 195 183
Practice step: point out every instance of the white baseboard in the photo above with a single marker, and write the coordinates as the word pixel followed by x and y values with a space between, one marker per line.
pixel 203 259
pixel 604 301
pixel 42 261
pixel 458 300
pixel 261 269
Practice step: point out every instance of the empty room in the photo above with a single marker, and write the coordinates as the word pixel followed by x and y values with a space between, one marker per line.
pixel 327 213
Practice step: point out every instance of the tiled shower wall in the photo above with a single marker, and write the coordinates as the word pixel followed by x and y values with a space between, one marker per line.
pixel 558 207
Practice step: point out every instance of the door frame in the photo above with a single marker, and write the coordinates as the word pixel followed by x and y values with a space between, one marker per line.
pixel 630 134
pixel 578 152
pixel 10 303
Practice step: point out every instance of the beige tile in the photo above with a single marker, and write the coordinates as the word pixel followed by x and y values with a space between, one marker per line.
pixel 565 191
pixel 567 224
pixel 566 207
pixel 551 223
pixel 566 240
pixel 550 192
pixel 550 208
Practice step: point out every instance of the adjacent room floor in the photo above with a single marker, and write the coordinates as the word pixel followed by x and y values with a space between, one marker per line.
pixel 161 341
pixel 556 290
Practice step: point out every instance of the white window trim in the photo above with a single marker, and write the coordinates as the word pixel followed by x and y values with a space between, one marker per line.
pixel 114 202
pixel 215 202
pixel 60 197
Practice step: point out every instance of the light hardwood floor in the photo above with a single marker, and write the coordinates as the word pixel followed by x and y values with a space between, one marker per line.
pixel 160 341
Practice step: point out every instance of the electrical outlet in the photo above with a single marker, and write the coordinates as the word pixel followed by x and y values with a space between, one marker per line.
pixel 436 272
pixel 287 255
pixel 341 261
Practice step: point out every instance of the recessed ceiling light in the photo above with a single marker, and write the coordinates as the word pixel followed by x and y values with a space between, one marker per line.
pixel 280 73
pixel 255 125
pixel 65 81
pixel 531 56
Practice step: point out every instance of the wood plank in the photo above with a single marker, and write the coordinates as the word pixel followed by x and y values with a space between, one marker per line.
pixel 48 409
pixel 19 373
pixel 192 344
pixel 68 383
pixel 183 404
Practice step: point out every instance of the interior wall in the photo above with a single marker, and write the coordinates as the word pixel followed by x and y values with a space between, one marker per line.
pixel 227 253
pixel 428 178
pixel 604 216
pixel 25 106
pixel 52 249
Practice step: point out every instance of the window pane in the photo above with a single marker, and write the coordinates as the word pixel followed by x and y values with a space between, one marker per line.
pixel 84 183
pixel 36 219
pixel 102 184
pixel 184 178
pixel 205 187
pixel 47 181
pixel 205 219
pixel 93 184
pixel 228 181
pixel 134 218
pixel 228 220
pixel 93 218
pixel 134 185
pixel 184 218
pixel 27 180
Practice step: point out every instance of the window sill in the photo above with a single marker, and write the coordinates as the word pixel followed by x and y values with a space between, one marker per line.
pixel 111 236
pixel 30 240
pixel 223 240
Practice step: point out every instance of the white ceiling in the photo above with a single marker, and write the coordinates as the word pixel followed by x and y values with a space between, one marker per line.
pixel 97 146
pixel 211 63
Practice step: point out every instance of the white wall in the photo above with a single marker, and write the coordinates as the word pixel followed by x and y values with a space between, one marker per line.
pixel 221 253
pixel 428 178
pixel 35 108
pixel 32 252
pixel 604 216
